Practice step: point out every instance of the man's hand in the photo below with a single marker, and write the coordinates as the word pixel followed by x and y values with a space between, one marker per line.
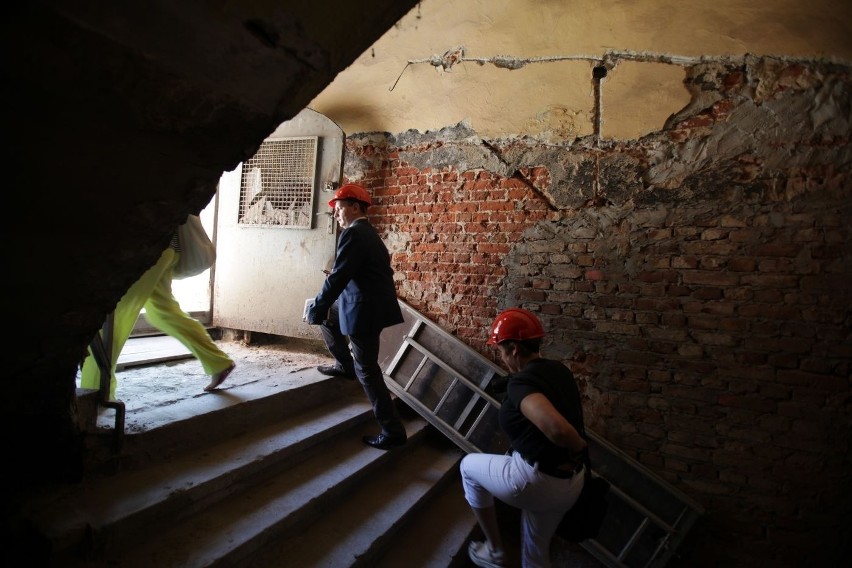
pixel 313 316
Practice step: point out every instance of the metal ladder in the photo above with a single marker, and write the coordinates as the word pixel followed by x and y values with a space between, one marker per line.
pixel 450 385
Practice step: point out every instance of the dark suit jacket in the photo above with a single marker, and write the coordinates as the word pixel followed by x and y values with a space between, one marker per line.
pixel 362 278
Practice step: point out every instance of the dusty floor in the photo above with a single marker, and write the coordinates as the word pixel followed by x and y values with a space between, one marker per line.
pixel 145 386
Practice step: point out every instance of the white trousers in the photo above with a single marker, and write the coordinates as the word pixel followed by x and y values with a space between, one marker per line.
pixel 542 499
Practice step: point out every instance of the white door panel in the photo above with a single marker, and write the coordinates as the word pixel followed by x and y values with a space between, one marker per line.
pixel 264 273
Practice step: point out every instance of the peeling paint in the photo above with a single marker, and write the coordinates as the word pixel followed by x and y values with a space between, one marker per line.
pixel 737 148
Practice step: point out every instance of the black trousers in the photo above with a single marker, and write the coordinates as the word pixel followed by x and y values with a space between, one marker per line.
pixel 361 353
pixel 337 343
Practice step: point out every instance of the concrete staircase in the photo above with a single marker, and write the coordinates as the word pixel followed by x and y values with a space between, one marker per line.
pixel 277 480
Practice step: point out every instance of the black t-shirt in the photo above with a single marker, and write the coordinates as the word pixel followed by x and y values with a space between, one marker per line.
pixel 555 381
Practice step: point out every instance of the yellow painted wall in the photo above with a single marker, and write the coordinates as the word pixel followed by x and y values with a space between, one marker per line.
pixel 554 100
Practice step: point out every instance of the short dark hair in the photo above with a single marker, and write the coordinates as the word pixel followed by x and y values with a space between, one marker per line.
pixel 527 346
pixel 361 205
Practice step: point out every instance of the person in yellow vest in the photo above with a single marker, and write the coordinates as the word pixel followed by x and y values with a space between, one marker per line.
pixel 153 291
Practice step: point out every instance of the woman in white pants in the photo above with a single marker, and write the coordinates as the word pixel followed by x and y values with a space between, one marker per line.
pixel 543 475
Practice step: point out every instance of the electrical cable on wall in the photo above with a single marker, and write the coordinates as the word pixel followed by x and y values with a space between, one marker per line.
pixel 609 60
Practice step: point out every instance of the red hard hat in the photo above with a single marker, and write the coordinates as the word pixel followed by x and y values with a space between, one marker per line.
pixel 515 323
pixel 351 191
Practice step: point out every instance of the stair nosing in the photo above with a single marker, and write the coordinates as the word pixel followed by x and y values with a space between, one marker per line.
pixel 108 501
pixel 213 540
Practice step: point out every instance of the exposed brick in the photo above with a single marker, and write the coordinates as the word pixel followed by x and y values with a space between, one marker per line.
pixel 703 248
pixel 652 276
pixel 823 382
pixel 711 278
pixel 774 344
pixel 659 262
pixel 714 339
pixel 707 293
pixel 755 403
pixel 809 235
pixel 731 324
pixel 719 308
pixel 748 435
pixel 614 302
pixel 658 305
pixel 713 263
pixel 686 232
pixel 776 265
pixel 731 221
pixel 741 264
pixel 739 310
pixel 690 262
pixel 652 290
pixel 812 365
pixel 770 280
pixel 777 392
pixel 564 271
pixel 551 309
pixel 617 328
pixel 684 452
pixel 675 291
pixel 690 350
pixel 713 234
pixel 777 249
pixel 545 246
pixel 703 322
pixel 531 295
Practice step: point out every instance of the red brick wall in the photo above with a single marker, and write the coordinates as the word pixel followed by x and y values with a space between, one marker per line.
pixel 706 316
pixel 461 227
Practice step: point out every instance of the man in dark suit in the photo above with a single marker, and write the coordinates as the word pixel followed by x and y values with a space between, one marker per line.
pixel 361 284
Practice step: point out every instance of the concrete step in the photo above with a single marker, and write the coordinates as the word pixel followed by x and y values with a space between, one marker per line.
pixel 207 419
pixel 262 510
pixel 269 471
pixel 356 528
pixel 109 511
pixel 437 535
pixel 247 480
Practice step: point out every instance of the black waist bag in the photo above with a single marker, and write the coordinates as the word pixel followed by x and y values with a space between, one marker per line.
pixel 585 518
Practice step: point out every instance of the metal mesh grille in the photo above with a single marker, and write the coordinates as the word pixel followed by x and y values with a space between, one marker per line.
pixel 277 186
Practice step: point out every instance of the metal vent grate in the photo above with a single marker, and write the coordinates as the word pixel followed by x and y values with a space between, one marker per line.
pixel 277 186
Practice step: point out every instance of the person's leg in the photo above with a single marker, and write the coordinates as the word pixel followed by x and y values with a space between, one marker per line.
pixel 164 312
pixel 543 502
pixel 542 499
pixel 124 318
pixel 365 352
pixel 337 343
pixel 537 529
pixel 545 507
pixel 482 474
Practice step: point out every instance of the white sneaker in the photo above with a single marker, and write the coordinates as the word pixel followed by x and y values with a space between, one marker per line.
pixel 481 555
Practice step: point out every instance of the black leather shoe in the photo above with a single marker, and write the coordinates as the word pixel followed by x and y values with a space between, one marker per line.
pixel 383 442
pixel 333 371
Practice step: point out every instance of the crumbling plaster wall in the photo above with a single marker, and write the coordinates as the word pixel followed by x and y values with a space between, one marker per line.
pixel 509 67
pixel 695 280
